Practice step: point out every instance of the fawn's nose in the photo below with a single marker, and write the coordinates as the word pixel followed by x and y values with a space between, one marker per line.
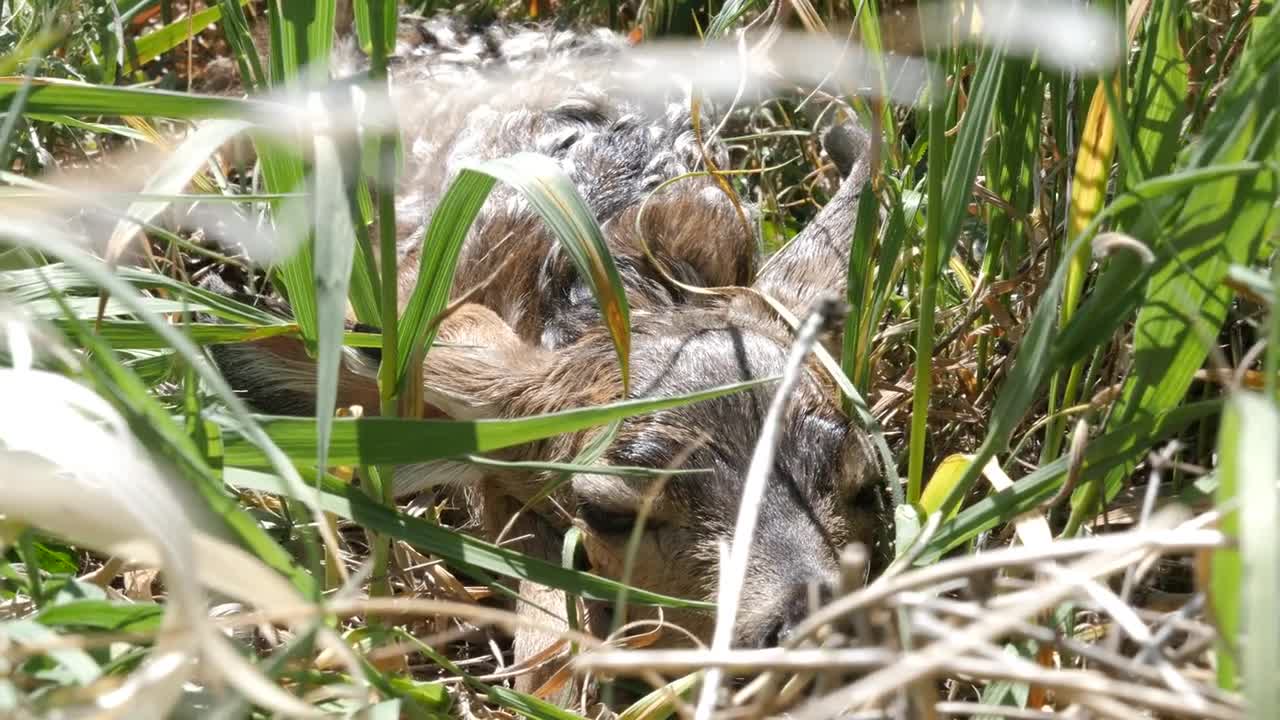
pixel 798 602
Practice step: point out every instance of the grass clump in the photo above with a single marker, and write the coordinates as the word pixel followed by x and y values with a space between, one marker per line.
pixel 1062 339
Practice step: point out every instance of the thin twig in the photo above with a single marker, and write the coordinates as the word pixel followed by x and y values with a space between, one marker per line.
pixel 733 576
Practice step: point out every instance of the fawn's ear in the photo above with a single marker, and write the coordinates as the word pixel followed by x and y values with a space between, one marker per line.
pixel 816 262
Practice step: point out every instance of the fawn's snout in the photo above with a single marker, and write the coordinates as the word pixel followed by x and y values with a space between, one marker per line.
pixel 796 604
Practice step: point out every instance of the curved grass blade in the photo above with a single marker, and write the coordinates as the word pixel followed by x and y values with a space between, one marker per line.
pixel 30 285
pixel 552 194
pixel 399 441
pixel 177 170
pixel 448 229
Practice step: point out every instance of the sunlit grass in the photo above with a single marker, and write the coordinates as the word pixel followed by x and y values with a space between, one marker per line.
pixel 1065 270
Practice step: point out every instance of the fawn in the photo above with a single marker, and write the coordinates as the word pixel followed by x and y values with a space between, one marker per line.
pixel 529 338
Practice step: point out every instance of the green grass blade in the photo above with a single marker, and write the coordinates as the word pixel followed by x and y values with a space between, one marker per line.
pixel 966 156
pixel 948 197
pixel 365 281
pixel 529 706
pixel 448 229
pixel 396 441
pixel 301 39
pixel 730 12
pixel 142 335
pixel 173 175
pixel 864 269
pixel 162 40
pixel 369 11
pixel 1117 293
pixel 68 97
pixel 283 173
pixel 51 242
pixel 34 284
pixel 1221 224
pixel 1244 580
pixel 235 27
pixel 103 615
pixel 334 249
pixel 1160 94
pixel 551 193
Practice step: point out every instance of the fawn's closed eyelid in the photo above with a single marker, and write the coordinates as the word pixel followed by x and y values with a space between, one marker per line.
pixel 614 520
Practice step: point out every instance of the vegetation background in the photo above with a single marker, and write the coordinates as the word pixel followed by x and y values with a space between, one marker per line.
pixel 1062 339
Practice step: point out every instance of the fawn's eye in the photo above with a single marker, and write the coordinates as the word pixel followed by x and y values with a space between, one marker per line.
pixel 607 521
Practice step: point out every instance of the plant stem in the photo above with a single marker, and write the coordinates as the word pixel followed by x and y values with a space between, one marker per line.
pixel 928 299
pixel 389 290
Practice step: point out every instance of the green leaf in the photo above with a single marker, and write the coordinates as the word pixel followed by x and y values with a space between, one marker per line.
pixel 160 41
pixel 397 441
pixel 1222 223
pixel 1245 580
pixel 1160 93
pixel 68 97
pixel 335 245
pixel 77 662
pixel 553 195
pixel 103 615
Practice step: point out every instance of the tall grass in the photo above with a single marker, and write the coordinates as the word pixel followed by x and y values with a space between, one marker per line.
pixel 1065 270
